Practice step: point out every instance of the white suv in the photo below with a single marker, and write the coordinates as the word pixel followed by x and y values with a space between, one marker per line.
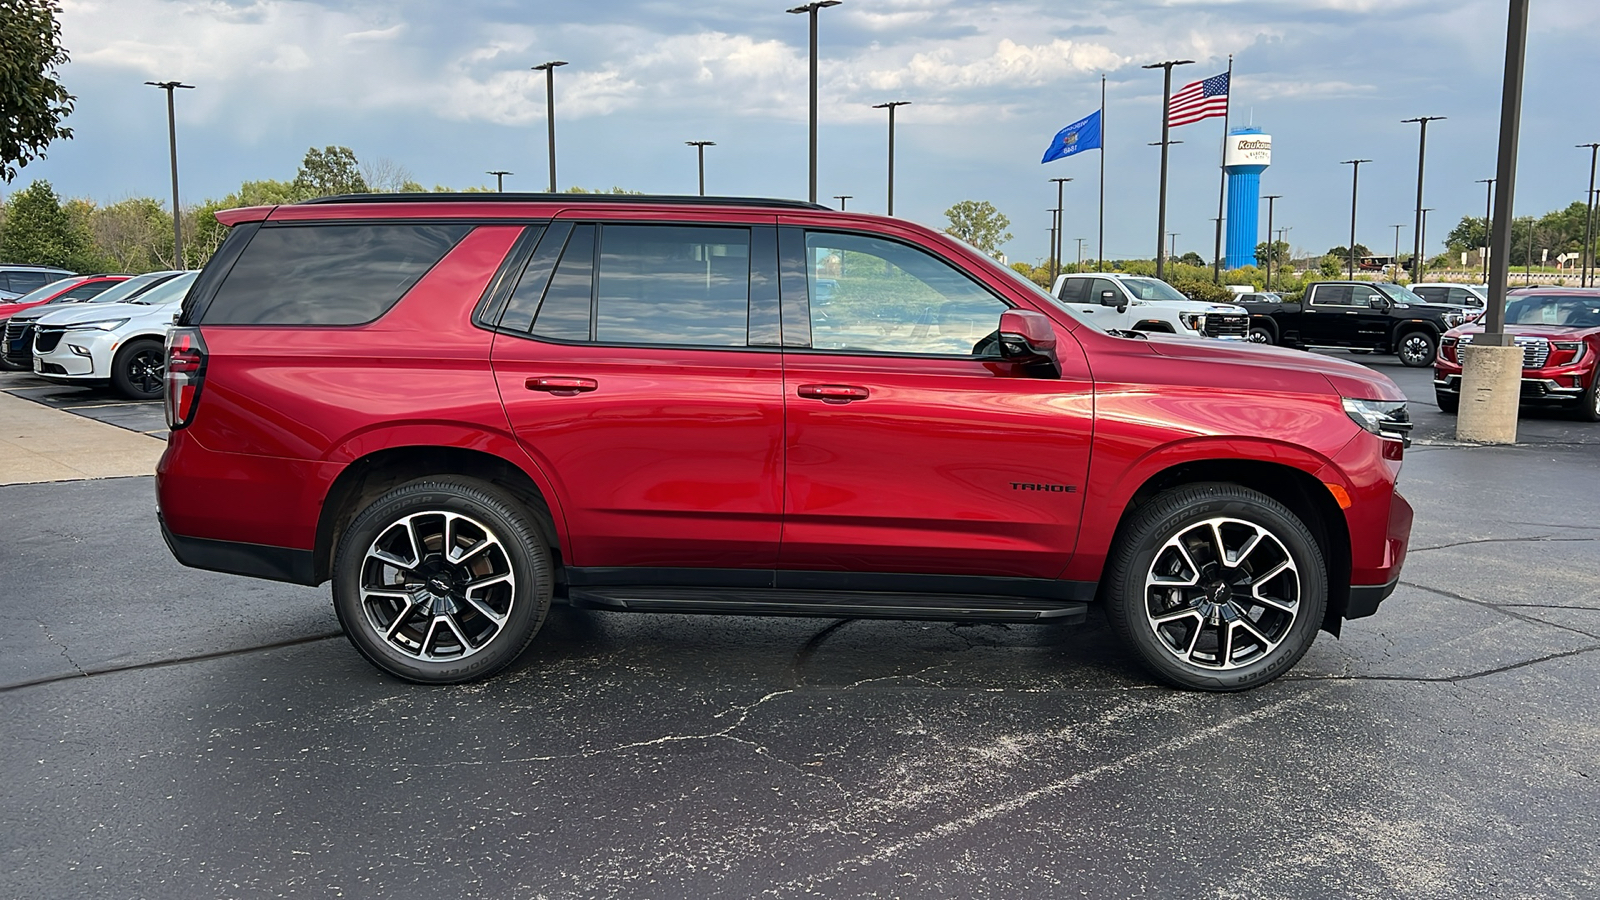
pixel 1118 301
pixel 120 344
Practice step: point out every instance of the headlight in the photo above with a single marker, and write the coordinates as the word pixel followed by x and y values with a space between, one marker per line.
pixel 102 325
pixel 1193 321
pixel 1451 320
pixel 1385 418
pixel 1575 347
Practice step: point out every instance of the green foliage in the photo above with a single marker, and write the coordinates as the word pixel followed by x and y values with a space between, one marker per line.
pixel 978 223
pixel 1333 264
pixel 40 232
pixel 330 171
pixel 1279 253
pixel 1039 275
pixel 614 190
pixel 1559 231
pixel 32 102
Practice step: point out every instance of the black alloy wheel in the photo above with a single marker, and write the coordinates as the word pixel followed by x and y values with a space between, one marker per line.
pixel 1261 335
pixel 1216 587
pixel 139 370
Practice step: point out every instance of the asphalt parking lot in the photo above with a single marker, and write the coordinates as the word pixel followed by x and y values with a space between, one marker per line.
pixel 176 733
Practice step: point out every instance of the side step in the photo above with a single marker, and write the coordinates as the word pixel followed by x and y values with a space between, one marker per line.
pixel 828 604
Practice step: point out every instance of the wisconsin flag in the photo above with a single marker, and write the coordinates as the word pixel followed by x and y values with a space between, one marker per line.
pixel 1081 135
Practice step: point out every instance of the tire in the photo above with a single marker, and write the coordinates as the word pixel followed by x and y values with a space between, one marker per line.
pixel 1590 412
pixel 1449 404
pixel 139 370
pixel 1416 349
pixel 1260 334
pixel 1171 604
pixel 415 613
pixel 1359 352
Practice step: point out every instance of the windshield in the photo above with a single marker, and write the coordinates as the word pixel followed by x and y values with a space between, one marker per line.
pixel 131 288
pixel 167 291
pixel 37 294
pixel 1151 289
pixel 1572 312
pixel 1399 294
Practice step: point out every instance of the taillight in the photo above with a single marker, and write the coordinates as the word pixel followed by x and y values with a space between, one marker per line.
pixel 186 369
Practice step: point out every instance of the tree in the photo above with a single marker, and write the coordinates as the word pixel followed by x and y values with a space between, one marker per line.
pixel 389 177
pixel 1344 253
pixel 330 171
pixel 1191 258
pixel 134 235
pixel 40 232
pixel 1280 254
pixel 978 223
pixel 32 102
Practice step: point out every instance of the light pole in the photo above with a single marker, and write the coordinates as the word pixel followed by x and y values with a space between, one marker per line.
pixel 499 179
pixel 812 9
pixel 1417 266
pixel 1488 214
pixel 1166 110
pixel 700 149
pixel 1422 149
pixel 1588 220
pixel 890 106
pixel 842 198
pixel 1272 249
pixel 1173 237
pixel 1397 253
pixel 1355 181
pixel 172 144
pixel 1061 224
pixel 1055 237
pixel 1080 253
pixel 549 70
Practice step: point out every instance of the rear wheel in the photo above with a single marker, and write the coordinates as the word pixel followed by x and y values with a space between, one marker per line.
pixel 1416 349
pixel 1216 587
pixel 442 581
pixel 139 369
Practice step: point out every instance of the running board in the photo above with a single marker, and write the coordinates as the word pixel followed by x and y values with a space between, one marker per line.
pixel 828 604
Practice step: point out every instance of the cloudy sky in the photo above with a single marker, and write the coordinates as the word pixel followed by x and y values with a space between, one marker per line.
pixel 444 90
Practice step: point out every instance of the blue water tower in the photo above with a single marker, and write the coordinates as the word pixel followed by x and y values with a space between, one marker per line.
pixel 1248 153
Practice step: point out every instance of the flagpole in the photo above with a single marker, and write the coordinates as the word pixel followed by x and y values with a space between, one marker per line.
pixel 1100 260
pixel 1222 179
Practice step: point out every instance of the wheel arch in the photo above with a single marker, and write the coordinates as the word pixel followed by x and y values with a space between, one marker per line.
pixel 1156 326
pixel 367 477
pixel 1294 487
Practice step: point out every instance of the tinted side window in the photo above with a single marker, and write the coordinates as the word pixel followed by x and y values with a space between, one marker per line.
pixel 673 284
pixel 1431 294
pixel 1101 285
pixel 328 274
pixel 85 291
pixel 26 282
pixel 567 311
pixel 1331 295
pixel 879 296
pixel 1361 295
pixel 1075 290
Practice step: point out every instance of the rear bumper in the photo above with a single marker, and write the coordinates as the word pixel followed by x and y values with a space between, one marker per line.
pixel 237 558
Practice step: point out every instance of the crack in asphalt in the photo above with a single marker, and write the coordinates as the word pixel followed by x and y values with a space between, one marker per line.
pixel 1544 538
pixel 1448 679
pixel 64 654
pixel 160 663
pixel 1503 609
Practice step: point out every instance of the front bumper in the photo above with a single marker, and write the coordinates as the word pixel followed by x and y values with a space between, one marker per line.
pixel 1534 390
pixel 77 357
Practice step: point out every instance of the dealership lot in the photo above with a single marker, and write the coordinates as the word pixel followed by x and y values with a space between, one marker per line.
pixel 171 732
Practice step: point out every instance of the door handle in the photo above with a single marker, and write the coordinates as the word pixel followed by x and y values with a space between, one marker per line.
pixel 833 393
pixel 561 385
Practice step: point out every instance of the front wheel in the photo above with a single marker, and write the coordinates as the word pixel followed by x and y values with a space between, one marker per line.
pixel 139 370
pixel 1591 399
pixel 1216 587
pixel 1416 349
pixel 1449 404
pixel 442 581
pixel 1261 335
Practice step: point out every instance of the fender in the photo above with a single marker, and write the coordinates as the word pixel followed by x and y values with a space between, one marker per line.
pixel 430 434
pixel 1104 507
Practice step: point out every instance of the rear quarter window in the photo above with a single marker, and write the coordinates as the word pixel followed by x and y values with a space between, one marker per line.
pixel 327 274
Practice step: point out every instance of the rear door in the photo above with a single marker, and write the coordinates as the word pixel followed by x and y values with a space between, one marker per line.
pixel 639 368
pixel 907 451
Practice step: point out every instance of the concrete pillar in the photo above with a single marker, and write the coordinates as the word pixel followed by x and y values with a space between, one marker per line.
pixel 1491 388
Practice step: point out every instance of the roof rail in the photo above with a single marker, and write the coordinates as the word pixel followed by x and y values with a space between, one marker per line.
pixel 576 199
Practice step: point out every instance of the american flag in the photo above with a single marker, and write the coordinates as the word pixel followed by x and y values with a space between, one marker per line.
pixel 1198 100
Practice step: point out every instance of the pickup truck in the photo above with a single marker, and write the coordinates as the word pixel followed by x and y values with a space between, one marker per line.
pixel 1117 301
pixel 1361 316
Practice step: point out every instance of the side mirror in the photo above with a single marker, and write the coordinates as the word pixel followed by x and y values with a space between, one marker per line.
pixel 1377 303
pixel 1028 338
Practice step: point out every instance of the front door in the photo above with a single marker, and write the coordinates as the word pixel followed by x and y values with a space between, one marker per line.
pixel 907 451
pixel 1329 317
pixel 630 360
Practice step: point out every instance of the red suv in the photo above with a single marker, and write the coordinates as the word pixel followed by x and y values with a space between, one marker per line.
pixel 460 407
pixel 1558 330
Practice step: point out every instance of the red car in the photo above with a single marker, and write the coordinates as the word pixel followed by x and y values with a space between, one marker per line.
pixel 1558 330
pixel 458 408
pixel 67 290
